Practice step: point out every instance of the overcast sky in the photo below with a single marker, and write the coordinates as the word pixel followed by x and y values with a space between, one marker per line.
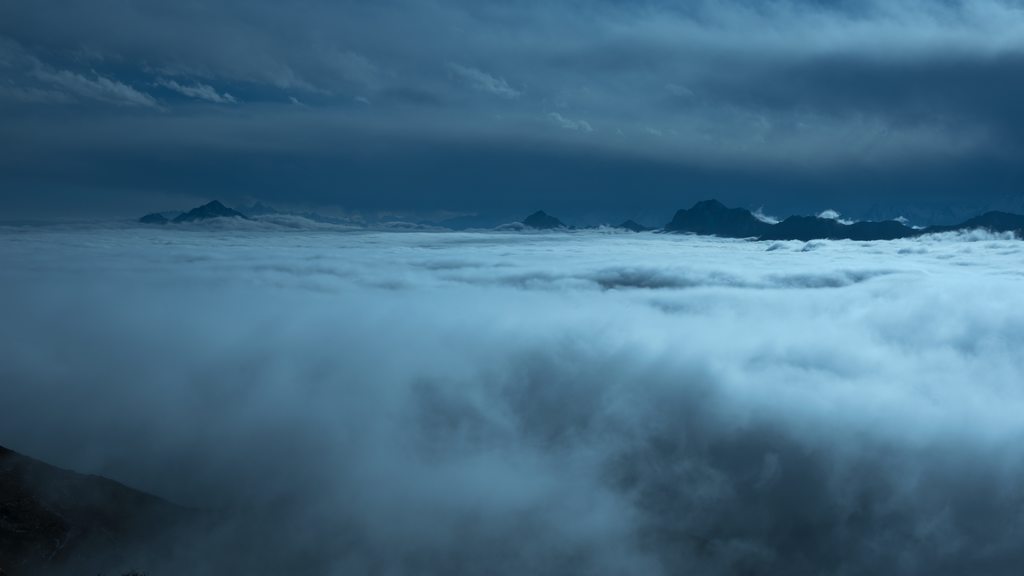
pixel 586 109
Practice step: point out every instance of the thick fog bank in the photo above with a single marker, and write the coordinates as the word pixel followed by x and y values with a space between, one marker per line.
pixel 532 404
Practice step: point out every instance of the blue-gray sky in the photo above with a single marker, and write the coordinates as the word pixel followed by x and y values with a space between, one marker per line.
pixel 588 109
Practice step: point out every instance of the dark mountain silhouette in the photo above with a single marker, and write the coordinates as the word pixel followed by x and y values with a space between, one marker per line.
pixel 993 221
pixel 711 217
pixel 815 228
pixel 209 210
pixel 708 217
pixel 50 517
pixel 633 226
pixel 542 221
pixel 924 213
pixel 154 218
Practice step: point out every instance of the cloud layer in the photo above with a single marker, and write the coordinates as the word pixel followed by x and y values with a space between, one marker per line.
pixel 570 403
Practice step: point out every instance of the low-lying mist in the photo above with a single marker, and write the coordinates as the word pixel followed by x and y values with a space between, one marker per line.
pixel 565 403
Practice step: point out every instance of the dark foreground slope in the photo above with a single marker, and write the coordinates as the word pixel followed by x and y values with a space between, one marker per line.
pixel 54 521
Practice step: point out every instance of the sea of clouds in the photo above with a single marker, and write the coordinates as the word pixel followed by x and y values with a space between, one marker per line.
pixel 357 402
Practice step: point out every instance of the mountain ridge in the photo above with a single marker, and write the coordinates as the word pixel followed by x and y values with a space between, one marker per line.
pixel 710 217
pixel 705 218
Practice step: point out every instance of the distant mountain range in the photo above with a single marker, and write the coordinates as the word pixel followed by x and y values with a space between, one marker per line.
pixel 215 209
pixel 708 217
pixel 711 217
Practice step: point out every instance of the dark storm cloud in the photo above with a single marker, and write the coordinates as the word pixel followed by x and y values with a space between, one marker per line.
pixel 758 102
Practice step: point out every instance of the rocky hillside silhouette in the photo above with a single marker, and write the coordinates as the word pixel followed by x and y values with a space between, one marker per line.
pixel 52 518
